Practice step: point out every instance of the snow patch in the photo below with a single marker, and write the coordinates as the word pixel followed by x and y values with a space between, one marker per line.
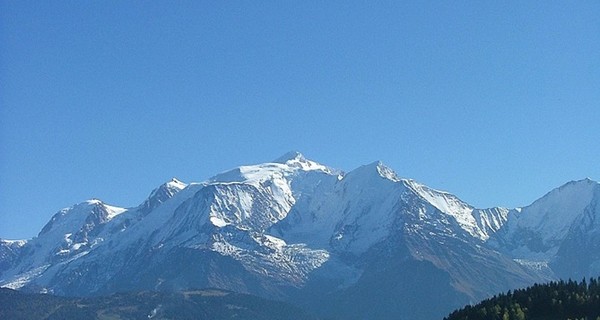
pixel 218 222
pixel 113 211
pixel 13 243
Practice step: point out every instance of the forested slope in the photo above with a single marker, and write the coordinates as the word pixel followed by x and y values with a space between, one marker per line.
pixel 555 300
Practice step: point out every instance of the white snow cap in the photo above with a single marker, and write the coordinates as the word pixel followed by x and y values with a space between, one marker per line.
pixel 290 156
pixel 554 213
pixel 375 169
pixel 386 172
pixel 295 159
pixel 176 184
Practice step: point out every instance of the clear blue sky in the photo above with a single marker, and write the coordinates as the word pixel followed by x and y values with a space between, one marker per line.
pixel 495 101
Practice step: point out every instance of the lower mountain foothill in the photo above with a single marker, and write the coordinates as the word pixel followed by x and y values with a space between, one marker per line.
pixel 197 304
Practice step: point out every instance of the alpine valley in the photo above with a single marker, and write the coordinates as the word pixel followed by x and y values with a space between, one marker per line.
pixel 365 244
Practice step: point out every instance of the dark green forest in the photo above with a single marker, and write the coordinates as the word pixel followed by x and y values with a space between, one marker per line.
pixel 555 300
pixel 200 304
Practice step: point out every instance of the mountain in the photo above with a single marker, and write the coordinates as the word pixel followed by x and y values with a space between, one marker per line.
pixel 358 245
pixel 197 304
pixel 558 234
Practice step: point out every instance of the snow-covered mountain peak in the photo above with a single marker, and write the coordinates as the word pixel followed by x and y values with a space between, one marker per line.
pixel 386 172
pixel 582 185
pixel 572 196
pixel 374 170
pixel 538 229
pixel 175 184
pixel 285 166
pixel 171 187
pixel 75 215
pixel 92 202
pixel 297 160
pixel 553 214
pixel 290 156
pixel 161 194
pixel 79 214
pixel 253 174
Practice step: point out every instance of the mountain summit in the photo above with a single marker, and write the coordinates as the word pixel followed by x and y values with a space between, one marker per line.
pixel 365 244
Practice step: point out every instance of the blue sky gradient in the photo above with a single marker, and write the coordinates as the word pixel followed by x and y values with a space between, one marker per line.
pixel 496 102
